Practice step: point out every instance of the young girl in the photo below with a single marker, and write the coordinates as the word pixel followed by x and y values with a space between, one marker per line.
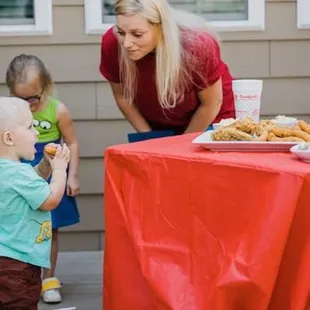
pixel 28 78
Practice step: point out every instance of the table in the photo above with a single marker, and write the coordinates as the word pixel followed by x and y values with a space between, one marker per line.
pixel 188 229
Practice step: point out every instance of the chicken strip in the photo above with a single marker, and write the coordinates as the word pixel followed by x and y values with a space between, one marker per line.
pixel 230 134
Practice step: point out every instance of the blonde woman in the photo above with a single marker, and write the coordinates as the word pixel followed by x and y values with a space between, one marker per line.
pixel 165 68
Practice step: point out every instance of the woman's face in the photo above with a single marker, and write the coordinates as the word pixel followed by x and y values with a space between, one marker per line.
pixel 136 35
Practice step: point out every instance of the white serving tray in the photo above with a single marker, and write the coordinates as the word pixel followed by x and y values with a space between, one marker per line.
pixel 205 140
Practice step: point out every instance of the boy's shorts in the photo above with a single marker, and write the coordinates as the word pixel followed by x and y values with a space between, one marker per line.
pixel 20 285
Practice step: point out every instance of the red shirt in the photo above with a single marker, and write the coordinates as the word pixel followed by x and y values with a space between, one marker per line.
pixel 210 66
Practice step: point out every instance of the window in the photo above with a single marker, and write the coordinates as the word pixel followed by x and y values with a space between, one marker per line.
pixel 303 14
pixel 25 17
pixel 225 15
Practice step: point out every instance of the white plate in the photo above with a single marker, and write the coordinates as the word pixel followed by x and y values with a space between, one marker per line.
pixel 205 140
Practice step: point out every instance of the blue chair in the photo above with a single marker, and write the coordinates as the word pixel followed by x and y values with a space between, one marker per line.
pixel 142 136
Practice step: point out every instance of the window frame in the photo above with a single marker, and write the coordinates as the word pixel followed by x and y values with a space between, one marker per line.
pixel 303 19
pixel 43 22
pixel 255 22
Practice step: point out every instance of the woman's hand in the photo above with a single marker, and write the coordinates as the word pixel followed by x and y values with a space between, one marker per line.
pixel 211 100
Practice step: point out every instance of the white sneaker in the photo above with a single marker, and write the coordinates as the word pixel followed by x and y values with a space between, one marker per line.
pixel 50 290
pixel 52 296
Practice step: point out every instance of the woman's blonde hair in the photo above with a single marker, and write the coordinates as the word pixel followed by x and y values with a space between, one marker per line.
pixel 174 63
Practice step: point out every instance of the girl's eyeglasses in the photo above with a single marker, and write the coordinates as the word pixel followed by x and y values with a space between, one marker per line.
pixel 33 99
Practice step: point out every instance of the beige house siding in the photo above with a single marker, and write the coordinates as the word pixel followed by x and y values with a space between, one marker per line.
pixel 279 55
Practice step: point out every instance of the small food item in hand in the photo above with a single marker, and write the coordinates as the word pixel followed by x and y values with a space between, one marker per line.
pixel 230 134
pixel 50 150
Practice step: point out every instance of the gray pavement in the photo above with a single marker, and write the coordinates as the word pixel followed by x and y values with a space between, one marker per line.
pixel 81 275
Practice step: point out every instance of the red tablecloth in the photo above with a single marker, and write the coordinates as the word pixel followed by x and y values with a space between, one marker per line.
pixel 188 229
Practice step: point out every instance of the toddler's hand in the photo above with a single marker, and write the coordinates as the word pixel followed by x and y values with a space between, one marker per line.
pixel 61 158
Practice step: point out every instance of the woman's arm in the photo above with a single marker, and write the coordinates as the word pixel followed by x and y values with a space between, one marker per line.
pixel 210 104
pixel 130 111
pixel 65 125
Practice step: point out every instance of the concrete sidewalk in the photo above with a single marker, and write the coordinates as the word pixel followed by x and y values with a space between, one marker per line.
pixel 81 275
